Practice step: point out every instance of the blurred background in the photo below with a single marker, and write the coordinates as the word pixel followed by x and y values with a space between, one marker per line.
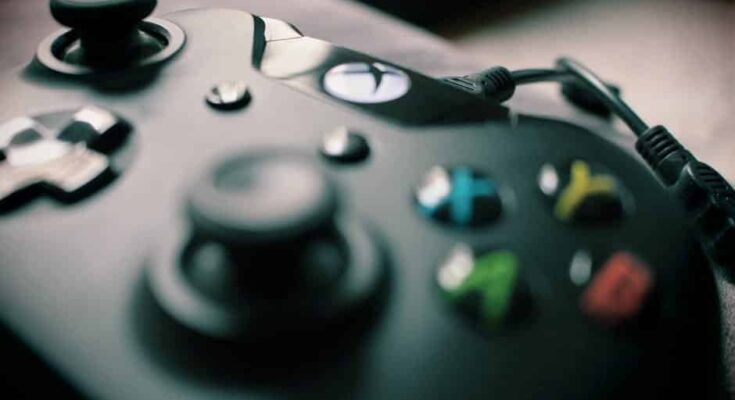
pixel 674 59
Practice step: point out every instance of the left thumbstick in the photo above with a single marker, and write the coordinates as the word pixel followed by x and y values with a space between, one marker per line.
pixel 108 29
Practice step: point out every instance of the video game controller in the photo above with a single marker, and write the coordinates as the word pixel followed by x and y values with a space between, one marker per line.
pixel 210 205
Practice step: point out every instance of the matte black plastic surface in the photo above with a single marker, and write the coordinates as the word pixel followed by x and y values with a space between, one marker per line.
pixel 73 275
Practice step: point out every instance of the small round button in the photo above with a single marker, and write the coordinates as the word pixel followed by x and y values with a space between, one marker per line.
pixel 486 287
pixel 580 267
pixel 345 146
pixel 248 199
pixel 229 95
pixel 459 196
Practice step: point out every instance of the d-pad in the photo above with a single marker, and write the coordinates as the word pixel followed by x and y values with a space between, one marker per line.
pixel 61 161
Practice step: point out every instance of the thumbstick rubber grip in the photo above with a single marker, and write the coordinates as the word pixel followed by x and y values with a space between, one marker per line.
pixel 101 15
pixel 261 198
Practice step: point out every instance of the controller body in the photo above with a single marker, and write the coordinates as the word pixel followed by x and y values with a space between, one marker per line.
pixel 79 272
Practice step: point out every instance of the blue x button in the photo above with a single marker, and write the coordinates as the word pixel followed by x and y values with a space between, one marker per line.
pixel 459 196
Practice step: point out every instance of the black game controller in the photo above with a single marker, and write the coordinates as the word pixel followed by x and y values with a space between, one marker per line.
pixel 212 205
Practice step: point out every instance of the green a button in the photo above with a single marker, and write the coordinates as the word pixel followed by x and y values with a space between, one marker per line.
pixel 486 287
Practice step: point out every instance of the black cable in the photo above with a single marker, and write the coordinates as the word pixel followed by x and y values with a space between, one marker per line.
pixel 607 96
pixel 535 75
pixel 570 69
pixel 706 195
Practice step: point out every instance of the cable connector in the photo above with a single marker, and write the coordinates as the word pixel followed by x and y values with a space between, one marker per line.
pixel 495 84
pixel 663 153
pixel 708 198
pixel 710 202
pixel 705 195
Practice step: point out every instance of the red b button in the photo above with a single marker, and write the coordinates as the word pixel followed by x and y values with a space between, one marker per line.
pixel 618 291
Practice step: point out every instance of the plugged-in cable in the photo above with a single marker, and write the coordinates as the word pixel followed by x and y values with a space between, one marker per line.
pixel 656 145
pixel 708 198
pixel 611 99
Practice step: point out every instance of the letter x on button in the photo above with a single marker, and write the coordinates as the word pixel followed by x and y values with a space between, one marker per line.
pixel 459 196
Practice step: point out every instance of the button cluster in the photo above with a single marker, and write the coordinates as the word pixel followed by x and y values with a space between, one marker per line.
pixel 487 285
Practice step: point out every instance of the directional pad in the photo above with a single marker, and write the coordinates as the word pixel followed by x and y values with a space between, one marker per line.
pixel 61 160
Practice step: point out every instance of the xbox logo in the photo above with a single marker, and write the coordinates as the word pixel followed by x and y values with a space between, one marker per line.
pixel 366 83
